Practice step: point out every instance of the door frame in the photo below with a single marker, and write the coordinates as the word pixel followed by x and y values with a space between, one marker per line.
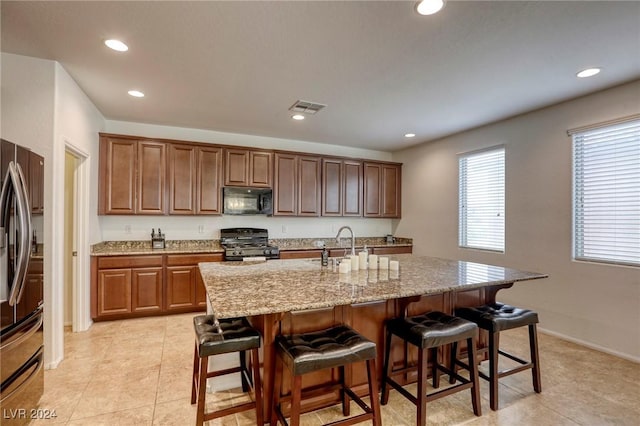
pixel 81 273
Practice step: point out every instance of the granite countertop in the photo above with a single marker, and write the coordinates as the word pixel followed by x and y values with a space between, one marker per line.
pixel 120 248
pixel 257 288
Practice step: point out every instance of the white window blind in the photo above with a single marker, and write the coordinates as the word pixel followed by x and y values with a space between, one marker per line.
pixel 606 195
pixel 481 200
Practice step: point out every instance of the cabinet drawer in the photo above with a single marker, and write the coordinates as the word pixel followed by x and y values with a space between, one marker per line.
pixel 392 250
pixel 300 254
pixel 192 259
pixel 110 262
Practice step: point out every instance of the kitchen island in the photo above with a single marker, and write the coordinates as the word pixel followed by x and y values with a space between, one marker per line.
pixel 297 296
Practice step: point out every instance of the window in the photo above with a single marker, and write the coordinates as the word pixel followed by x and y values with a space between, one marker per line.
pixel 481 199
pixel 606 198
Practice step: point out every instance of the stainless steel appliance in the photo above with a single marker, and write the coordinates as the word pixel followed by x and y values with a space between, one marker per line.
pixel 247 201
pixel 241 243
pixel 21 343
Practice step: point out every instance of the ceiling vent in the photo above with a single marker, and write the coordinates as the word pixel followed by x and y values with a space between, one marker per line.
pixel 306 107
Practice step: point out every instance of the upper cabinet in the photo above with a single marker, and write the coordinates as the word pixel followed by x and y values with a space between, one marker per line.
pixel 150 177
pixel 382 183
pixel 297 185
pixel 246 167
pixel 341 187
pixel 36 183
pixel 194 179
pixel 132 177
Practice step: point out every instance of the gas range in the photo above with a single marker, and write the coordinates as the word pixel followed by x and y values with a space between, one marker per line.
pixel 241 243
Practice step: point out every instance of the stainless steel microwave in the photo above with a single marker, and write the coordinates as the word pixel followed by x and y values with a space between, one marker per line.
pixel 239 201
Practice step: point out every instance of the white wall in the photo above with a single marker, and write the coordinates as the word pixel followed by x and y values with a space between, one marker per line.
pixel 179 228
pixel 43 109
pixel 596 304
pixel 28 91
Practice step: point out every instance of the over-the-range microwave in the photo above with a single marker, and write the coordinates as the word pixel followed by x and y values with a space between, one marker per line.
pixel 239 201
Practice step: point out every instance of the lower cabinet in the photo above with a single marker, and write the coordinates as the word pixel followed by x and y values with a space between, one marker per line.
pixel 137 286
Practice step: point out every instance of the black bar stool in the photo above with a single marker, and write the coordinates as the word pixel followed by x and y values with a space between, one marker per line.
pixel 428 332
pixel 334 347
pixel 215 337
pixel 497 317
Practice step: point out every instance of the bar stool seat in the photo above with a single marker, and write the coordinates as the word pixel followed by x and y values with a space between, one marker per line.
pixel 428 332
pixel 215 337
pixel 497 317
pixel 305 353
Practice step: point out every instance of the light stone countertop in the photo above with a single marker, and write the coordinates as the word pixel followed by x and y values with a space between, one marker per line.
pixel 256 288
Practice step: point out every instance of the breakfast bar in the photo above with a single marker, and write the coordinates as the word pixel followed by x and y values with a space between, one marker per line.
pixel 298 296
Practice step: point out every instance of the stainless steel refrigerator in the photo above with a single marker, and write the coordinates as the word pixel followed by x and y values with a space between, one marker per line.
pixel 21 343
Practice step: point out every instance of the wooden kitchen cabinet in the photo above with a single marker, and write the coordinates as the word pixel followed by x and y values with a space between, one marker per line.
pixel 392 250
pixel 146 290
pixel 126 286
pixel 36 183
pixel 132 177
pixel 184 287
pixel 297 185
pixel 194 179
pixel 341 187
pixel 209 180
pixel 245 167
pixel 382 184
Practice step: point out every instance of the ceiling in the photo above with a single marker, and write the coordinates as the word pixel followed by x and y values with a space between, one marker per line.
pixel 381 69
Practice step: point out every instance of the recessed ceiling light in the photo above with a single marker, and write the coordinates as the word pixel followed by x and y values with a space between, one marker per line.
pixel 116 45
pixel 429 7
pixel 410 135
pixel 298 117
pixel 589 72
pixel 136 93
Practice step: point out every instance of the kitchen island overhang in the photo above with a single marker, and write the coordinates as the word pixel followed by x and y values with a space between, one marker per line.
pixel 298 296
pixel 258 288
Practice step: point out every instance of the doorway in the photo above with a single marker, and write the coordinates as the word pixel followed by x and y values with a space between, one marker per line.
pixel 75 258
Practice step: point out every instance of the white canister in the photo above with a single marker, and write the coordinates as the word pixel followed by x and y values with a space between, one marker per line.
pixel 362 259
pixel 384 262
pixel 394 265
pixel 373 261
pixel 345 267
pixel 355 262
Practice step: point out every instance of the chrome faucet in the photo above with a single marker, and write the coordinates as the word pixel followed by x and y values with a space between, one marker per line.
pixel 353 238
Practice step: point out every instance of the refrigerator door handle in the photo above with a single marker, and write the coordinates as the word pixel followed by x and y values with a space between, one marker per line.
pixel 16 183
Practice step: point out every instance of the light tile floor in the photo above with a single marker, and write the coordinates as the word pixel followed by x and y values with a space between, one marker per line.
pixel 138 372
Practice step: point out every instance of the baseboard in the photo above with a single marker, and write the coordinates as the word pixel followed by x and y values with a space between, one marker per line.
pixel 53 365
pixel 590 345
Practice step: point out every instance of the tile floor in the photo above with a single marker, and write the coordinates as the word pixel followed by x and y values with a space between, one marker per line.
pixel 138 372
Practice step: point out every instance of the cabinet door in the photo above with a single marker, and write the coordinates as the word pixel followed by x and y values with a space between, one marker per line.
pixel 331 187
pixel 390 180
pixel 209 176
pixel 286 184
pixel 36 183
pixel 182 179
pixel 352 188
pixel 372 176
pixel 114 292
pixel 151 178
pixel 146 290
pixel 309 175
pixel 260 169
pixel 117 177
pixel 236 167
pixel 201 292
pixel 181 295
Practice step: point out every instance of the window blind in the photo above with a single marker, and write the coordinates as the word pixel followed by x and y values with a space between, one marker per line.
pixel 606 195
pixel 481 200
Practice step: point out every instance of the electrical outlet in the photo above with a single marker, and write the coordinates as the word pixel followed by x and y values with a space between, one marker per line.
pixel 201 229
pixel 127 229
pixel 284 229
